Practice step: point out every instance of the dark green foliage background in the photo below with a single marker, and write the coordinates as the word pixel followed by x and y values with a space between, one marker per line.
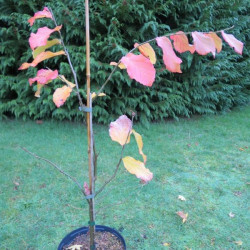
pixel 206 86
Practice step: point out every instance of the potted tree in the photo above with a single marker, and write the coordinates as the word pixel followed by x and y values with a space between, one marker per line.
pixel 139 67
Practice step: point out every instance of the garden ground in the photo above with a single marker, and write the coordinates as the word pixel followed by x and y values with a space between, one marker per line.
pixel 204 159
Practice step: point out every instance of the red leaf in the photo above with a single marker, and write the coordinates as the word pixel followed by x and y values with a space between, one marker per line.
pixel 139 68
pixel 203 44
pixel 41 57
pixel 217 41
pixel 120 129
pixel 181 43
pixel 41 36
pixel 233 42
pixel 40 14
pixel 44 76
pixel 171 61
pixel 61 95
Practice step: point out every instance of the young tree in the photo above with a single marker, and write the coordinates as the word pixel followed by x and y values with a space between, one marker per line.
pixel 139 67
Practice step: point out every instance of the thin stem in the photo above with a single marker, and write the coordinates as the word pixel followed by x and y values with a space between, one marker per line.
pixel 57 168
pixel 69 61
pixel 118 164
pixel 90 134
pixel 149 41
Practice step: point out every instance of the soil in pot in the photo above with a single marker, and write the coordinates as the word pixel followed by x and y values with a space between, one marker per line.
pixel 104 241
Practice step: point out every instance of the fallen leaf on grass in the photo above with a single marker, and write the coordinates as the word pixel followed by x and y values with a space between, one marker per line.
pixel 239 242
pixel 237 193
pixel 16 185
pixel 212 241
pixel 182 215
pixel 42 186
pixel 75 247
pixel 243 148
pixel 231 214
pixel 166 244
pixel 182 198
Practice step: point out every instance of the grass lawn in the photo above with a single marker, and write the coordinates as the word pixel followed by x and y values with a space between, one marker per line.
pixel 204 159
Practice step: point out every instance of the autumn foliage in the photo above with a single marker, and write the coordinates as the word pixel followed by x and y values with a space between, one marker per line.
pixel 139 64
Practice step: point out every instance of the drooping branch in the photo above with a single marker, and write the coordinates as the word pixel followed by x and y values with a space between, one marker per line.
pixel 149 41
pixel 118 164
pixel 70 63
pixel 57 168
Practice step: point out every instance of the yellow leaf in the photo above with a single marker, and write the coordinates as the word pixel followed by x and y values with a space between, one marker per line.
pixel 166 244
pixel 61 95
pixel 138 139
pixel 70 84
pixel 239 242
pixel 41 49
pixel 39 88
pixel 182 198
pixel 137 168
pixel 93 95
pixel 121 65
pixel 41 57
pixel 217 41
pixel 147 51
pixel 183 216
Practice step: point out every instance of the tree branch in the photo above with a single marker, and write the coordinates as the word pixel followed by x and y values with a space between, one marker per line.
pixel 118 164
pixel 57 168
pixel 70 63
pixel 149 41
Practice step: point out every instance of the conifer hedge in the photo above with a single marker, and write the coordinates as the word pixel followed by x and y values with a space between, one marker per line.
pixel 207 85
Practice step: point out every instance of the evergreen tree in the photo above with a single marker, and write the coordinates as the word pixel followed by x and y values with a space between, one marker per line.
pixel 207 85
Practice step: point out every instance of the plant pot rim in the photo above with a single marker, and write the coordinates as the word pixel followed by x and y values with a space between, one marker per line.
pixel 83 230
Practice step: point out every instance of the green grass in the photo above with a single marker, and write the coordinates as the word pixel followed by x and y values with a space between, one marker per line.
pixel 204 159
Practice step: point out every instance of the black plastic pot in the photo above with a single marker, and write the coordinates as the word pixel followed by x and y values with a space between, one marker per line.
pixel 83 230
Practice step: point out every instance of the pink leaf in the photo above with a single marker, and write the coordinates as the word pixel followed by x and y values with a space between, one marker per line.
pixel 44 76
pixel 40 14
pixel 120 130
pixel 203 44
pixel 233 42
pixel 61 95
pixel 139 68
pixel 171 61
pixel 181 43
pixel 41 36
pixel 86 188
